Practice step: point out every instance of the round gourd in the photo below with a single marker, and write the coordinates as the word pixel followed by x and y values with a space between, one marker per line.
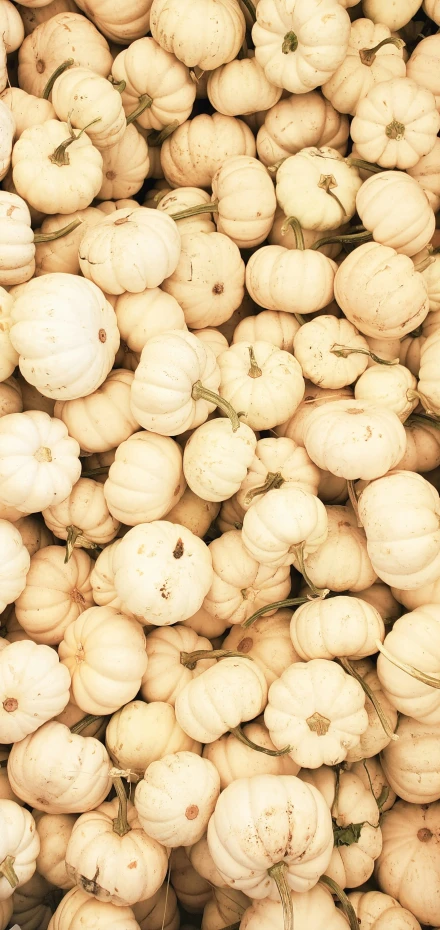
pixel 388 386
pixel 413 641
pixel 19 847
pixel 8 128
pixel 341 562
pixel 26 109
pixel 62 254
pixel 277 463
pixel 8 355
pixel 83 518
pixel 425 172
pixel 102 420
pixel 299 121
pixel 422 66
pixel 77 907
pixel 121 25
pixel 169 667
pixel 261 380
pixel 412 764
pixel 82 96
pixel 337 627
pixel 124 168
pixel 145 480
pixel 429 382
pixel 318 187
pixel 377 911
pixel 162 735
pixel 203 33
pixel 160 909
pixel 243 191
pixel 319 345
pixel 14 564
pixel 267 642
pixel 34 687
pixel 182 200
pixel 194 513
pixel 141 316
pixel 240 88
pixel 234 759
pixel 54 831
pixel 271 269
pixel 274 326
pixel 313 908
pixel 102 580
pixel 377 202
pixel 55 593
pixel 16 239
pixel 282 524
pixel 194 151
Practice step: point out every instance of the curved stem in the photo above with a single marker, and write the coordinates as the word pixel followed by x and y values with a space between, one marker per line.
pixel 103 470
pixel 413 395
pixel 348 667
pixel 85 722
pixel 299 555
pixel 328 182
pixel 363 165
pixel 145 102
pixel 60 157
pixel 409 669
pixel 293 223
pixel 195 211
pixel 278 873
pixel 75 534
pixel 352 496
pixel 121 825
pixel 346 905
pixel 368 55
pixel 251 9
pixel 299 319
pixel 238 733
pixel 8 871
pixel 201 392
pixel 120 86
pixel 423 419
pixel 277 605
pixel 274 479
pixel 64 231
pixel 190 659
pixel 356 238
pixel 345 351
pixel 156 138
pixel 422 266
pixel 61 68
pixel 255 370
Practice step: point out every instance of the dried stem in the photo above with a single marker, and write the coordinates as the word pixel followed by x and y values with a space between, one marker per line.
pixel 238 733
pixel 61 68
pixel 348 667
pixel 201 392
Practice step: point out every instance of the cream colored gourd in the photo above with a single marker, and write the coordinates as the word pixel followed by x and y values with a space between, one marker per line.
pixel 104 652
pixel 404 561
pixel 197 148
pixel 38 159
pixel 160 909
pixel 208 282
pixel 297 122
pixel 213 338
pixel 422 447
pixel 431 275
pixel 145 480
pixel 55 594
pixel 12 28
pixel 102 420
pixel 170 667
pixel 119 25
pixel 79 907
pixel 34 688
pixel 81 315
pixel 395 124
pixel 376 911
pixel 267 642
pixel 425 172
pixel 271 268
pixel 84 97
pixel 102 580
pixel 7 123
pixel 59 772
pixel 194 513
pixel 141 316
pixel 16 239
pixel 353 439
pixel 26 109
pixel 388 386
pixel 192 891
pixel 10 397
pixel 158 87
pixel 283 45
pixel 432 9
pixel 30 902
pixel 373 56
pixel 162 735
pixel 413 641
pixel 179 572
pixel 341 562
pixel 40 463
pixel 422 66
pixel 235 759
pixel 167 391
pixel 337 627
pixel 83 518
pixel 224 905
pixel 372 777
pixel 243 191
pixel 378 199
pixel 8 355
pixel 317 710
pixel 407 871
pixel 380 596
pixel 380 292
pixel 202 861
pixel 274 326
pixel 179 30
pixel 429 382
pixel 313 908
pixel 261 380
pixel 19 847
pixel 62 254
pixel 394 17
pixel 181 200
pixel 411 764
pixel 230 516
pixel 110 839
pixel 240 88
pixel 318 187
pixel 124 168
pixel 225 695
pixel 284 524
pixel 378 734
pixel 14 564
pixel 176 798
pixel 277 463
pixel 316 347
pixel 240 584
pixel 130 250
pixel 54 832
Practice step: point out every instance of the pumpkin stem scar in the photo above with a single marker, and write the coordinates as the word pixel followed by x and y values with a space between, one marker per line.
pixel 318 724
pixel 395 130
pixel 290 43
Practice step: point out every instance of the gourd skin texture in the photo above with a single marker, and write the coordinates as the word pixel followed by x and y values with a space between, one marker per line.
pixel 34 687
pixel 14 564
pixel 377 911
pixel 282 520
pixel 19 840
pixel 176 27
pixel 412 764
pixel 79 909
pixel 194 152
pixel 314 122
pixel 269 397
pixel 162 735
pixel 378 202
pixel 341 626
pixel 314 908
pixel 145 480
pixel 414 640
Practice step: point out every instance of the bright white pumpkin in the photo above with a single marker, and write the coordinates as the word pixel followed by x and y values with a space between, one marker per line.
pixel 19 847
pixel 281 523
pixel 14 564
pixel 243 191
pixel 271 269
pixel 145 480
pixel 110 405
pixel 318 187
pixel 263 381
pixel 339 626
pixel 34 687
pixel 162 735
pixel 313 347
pixel 26 109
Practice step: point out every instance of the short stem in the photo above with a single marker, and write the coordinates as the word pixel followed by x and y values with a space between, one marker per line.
pixel 58 234
pixel 290 43
pixel 156 138
pixel 254 370
pixel 120 87
pixel 61 68
pixel 348 667
pixel 277 605
pixel 121 825
pixel 103 470
pixel 274 480
pixel 368 55
pixel 238 733
pixel 200 392
pixel 75 534
pixel 299 319
pixel 272 169
pixel 195 211
pixel 355 238
pixel 299 555
pixel 196 73
pixel 346 905
pixel 145 102
pixel 8 871
pixel 344 351
pixel 278 873
pixel 190 659
pixel 60 157
pixel 250 8
pixel 352 496
pixel 363 165
pixel 422 266
pixel 409 669
pixel 395 130
pixel 85 722
pixel 293 223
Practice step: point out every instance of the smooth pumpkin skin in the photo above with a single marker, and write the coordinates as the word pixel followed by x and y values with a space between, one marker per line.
pixel 33 686
pixel 311 908
pixel 240 88
pixel 146 478
pixel 17 240
pixel 125 165
pixel 162 736
pixel 15 561
pixel 194 513
pixel 313 344
pixel 378 911
pixel 271 538
pixel 176 28
pixel 182 198
pixel 8 355
pixel 267 395
pixel 299 121
pixel 83 96
pixel 19 839
pixel 376 202
pixel 121 26
pixel 78 907
pixel 301 191
pixel 141 316
pixel 274 326
pixel 27 110
pixel 54 831
pixel 166 676
pixel 267 642
pixel 415 640
pixel 387 387
pixel 425 172
pixel 197 148
pixel 147 68
pixel 270 269
pixel 216 459
pixel 55 593
pixel 412 764
pixel 11 28
pixel 246 200
pixel 316 635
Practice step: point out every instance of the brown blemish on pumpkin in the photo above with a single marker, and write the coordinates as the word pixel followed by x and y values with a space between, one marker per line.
pixel 424 835
pixel 111 177
pixel 10 705
pixel 245 645
pixel 192 812
pixel 102 335
pixel 77 597
pixel 179 550
pixel 218 288
pixel 40 66
pixel 132 865
pixel 121 221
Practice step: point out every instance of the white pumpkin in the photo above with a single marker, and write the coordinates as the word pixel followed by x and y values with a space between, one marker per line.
pixel 312 908
pixel 14 564
pixel 270 270
pixel 283 524
pixel 162 735
pixel 341 562
pixel 413 643
pixel 83 518
pixel 19 847
pixel 77 906
pixel 277 463
pixel 191 155
pixel 299 121
pixel 141 316
pixel 318 347
pixel 377 201
pixel 34 687
pixel 54 831
pixel 243 191
pixel 103 419
pixel 145 480
pixel 8 128
pixel 8 355
pixel 412 764
pixel 318 187
pixel 216 458
pixel 179 30
pixel 339 626
pixel 380 730
pixel 388 386
pixel 241 87
pixel 274 326
pixel 373 908
pixel 261 380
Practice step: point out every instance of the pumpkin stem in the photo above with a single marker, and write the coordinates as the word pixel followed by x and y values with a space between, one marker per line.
pixel 345 351
pixel 422 266
pixel 60 157
pixel 196 73
pixel 8 871
pixel 363 165
pixel 423 419
pixel 121 825
pixel 75 534
pixel 318 724
pixel 84 722
pixel 238 733
pixel 413 395
pixel 201 392
pixel 195 211
pixel 190 659
pixel 346 905
pixel 255 370
pixel 299 319
pixel 61 68
pixel 277 605
pixel 145 102
pixel 251 9
pixel 352 496
pixel 368 55
pixel 103 470
pixel 351 670
pixel 58 234
pixel 278 873
pixel 299 555
pixel 156 138
pixel 290 43
pixel 354 238
pixel 409 669
pixel 327 182
pixel 119 86
pixel 272 169
pixel 293 223
pixel 274 480
pixel 395 130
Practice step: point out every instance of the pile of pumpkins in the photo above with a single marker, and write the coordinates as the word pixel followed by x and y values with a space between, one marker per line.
pixel 219 464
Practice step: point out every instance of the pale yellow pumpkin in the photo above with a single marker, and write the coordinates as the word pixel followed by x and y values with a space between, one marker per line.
pixel 19 847
pixel 267 642
pixel 146 314
pixel 413 641
pixel 62 254
pixel 169 666
pixel 423 64
pixel 158 87
pixel 318 186
pixel 125 165
pixel 102 580
pixel 11 26
pixel 272 267
pixel 191 155
pixel 376 910
pixel 377 201
pixel 299 121
pixel 213 338
pixel 8 355
pixel 388 386
pixel 240 88
pixel 283 524
pixel 88 99
pixel 54 831
pixel 341 562
pixel 429 382
pixel 160 911
pixel 34 533
pixel 102 420
pixel 55 594
pixel 412 764
pixel 194 513
pixel 26 109
pixel 162 735
pixel 30 902
pixel 202 33
pixel 422 447
pixel 316 635
pixel 426 173
pixel 262 381
pixel 191 889
pixel 312 908
pixel 16 240
pixel 33 688
pixel 318 346
pixel 83 518
pixel 243 191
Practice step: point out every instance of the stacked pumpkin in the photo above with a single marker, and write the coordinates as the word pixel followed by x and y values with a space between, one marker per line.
pixel 219 464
